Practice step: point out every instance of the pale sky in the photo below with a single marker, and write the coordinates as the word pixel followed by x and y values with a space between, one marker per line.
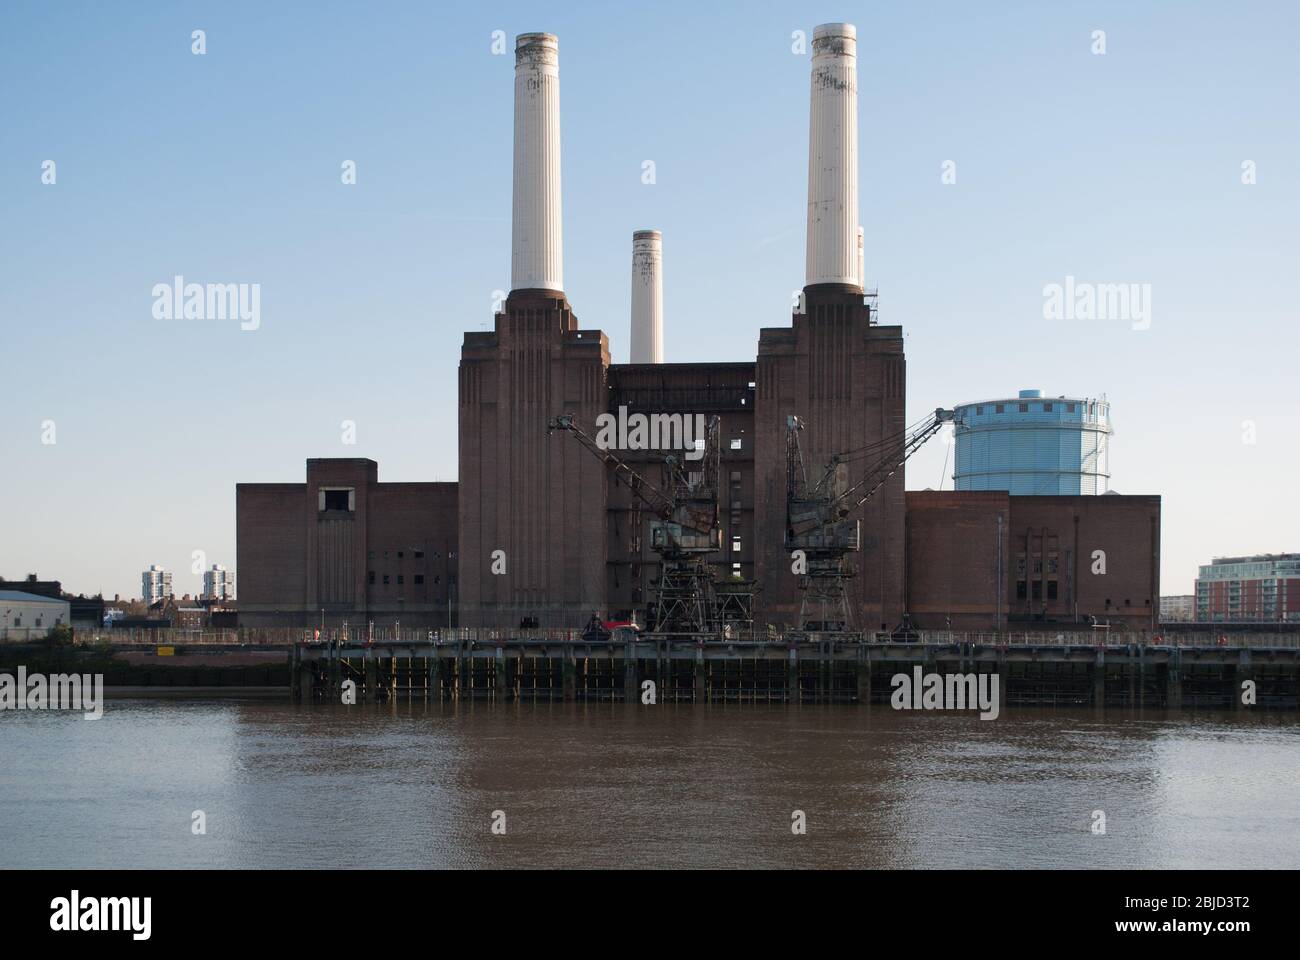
pixel 1122 167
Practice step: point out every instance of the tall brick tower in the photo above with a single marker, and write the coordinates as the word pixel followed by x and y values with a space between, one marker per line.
pixel 834 367
pixel 532 507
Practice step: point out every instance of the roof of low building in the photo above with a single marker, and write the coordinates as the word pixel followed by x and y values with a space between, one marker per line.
pixel 18 596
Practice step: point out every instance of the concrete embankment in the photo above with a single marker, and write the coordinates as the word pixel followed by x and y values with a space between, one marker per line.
pixel 160 670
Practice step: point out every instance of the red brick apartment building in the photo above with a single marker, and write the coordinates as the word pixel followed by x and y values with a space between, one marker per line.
pixel 1264 588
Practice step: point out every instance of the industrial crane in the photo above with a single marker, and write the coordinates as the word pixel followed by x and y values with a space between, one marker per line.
pixel 817 515
pixel 685 529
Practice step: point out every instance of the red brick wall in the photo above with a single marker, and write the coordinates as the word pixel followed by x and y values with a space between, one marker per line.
pixel 540 498
pixel 952 543
pixel 847 380
pixel 296 563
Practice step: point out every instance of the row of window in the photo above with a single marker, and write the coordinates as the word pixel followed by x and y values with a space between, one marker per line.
pixel 417 579
pixel 1047 407
pixel 415 554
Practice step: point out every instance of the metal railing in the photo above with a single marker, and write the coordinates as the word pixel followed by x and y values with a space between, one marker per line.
pixel 287 636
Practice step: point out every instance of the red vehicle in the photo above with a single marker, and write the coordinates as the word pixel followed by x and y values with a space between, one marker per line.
pixel 599 630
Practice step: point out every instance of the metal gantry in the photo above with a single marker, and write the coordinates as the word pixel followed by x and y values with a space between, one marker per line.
pixel 817 517
pixel 685 529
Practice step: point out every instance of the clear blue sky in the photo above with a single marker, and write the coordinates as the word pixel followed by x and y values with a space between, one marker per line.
pixel 226 168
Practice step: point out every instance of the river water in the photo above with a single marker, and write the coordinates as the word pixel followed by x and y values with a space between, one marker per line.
pixel 415 785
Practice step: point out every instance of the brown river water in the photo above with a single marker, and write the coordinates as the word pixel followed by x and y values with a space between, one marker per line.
pixel 416 785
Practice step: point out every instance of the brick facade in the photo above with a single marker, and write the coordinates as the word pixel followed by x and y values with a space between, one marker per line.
pixel 344 546
pixel 976 559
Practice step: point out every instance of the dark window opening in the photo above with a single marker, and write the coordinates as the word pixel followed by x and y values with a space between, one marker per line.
pixel 419 554
pixel 1051 589
pixel 385 579
pixel 371 578
pixel 400 579
pixel 419 579
pixel 1038 589
pixel 1021 591
pixel 336 500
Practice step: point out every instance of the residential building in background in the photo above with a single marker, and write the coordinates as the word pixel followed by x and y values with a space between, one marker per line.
pixel 1256 589
pixel 1179 609
pixel 1033 445
pixel 218 583
pixel 155 585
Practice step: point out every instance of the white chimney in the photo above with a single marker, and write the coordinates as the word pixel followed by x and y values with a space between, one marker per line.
pixel 862 260
pixel 833 157
pixel 537 251
pixel 647 297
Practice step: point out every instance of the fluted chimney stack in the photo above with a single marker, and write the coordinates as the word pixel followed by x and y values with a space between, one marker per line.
pixel 537 250
pixel 647 297
pixel 833 158
pixel 862 260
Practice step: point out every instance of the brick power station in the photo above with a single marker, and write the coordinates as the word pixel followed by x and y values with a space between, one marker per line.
pixel 538 530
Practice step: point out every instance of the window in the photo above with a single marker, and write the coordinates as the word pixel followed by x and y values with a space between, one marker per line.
pixel 1000 408
pixel 370 578
pixel 1024 408
pixel 399 554
pixel 385 579
pixel 1069 408
pixel 419 579
pixel 336 499
pixel 400 579
pixel 1051 589
pixel 735 443
pixel 1020 590
pixel 1047 408
pixel 419 554
pixel 1038 589
pixel 735 544
pixel 979 410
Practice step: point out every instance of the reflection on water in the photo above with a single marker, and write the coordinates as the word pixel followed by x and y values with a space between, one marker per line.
pixel 612 785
